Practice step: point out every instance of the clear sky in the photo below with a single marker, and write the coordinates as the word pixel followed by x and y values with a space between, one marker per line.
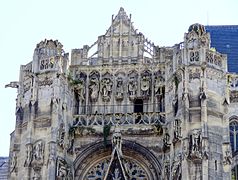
pixel 24 23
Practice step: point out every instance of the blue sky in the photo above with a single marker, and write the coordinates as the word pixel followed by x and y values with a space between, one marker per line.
pixel 24 23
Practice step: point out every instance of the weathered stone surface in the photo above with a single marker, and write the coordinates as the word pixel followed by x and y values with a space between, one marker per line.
pixel 132 109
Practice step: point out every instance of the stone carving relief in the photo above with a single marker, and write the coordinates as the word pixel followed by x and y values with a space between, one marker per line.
pixel 119 87
pixel 62 170
pixel 145 83
pixel 38 153
pixel 61 136
pixel 132 85
pixel 195 144
pixel 45 82
pixel 13 162
pixel 94 86
pixel 106 87
pixel 234 96
pixel 194 74
pixel 28 155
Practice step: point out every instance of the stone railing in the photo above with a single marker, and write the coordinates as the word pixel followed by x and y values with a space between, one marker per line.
pixel 146 118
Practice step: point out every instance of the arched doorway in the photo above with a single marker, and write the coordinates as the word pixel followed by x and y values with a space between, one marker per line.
pixel 93 162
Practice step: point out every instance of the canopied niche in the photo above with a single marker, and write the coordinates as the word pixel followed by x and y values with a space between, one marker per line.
pixel 139 162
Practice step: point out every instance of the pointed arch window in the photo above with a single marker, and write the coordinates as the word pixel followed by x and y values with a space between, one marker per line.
pixel 234 135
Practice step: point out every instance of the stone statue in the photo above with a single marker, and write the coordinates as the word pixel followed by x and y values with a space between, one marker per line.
pixel 195 144
pixel 158 86
pixel 28 155
pixel 119 89
pixel 145 85
pixel 61 136
pixel 94 88
pixel 132 87
pixel 38 154
pixel 80 89
pixel 106 89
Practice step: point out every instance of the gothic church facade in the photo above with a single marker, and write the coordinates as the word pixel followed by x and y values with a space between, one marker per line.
pixel 130 110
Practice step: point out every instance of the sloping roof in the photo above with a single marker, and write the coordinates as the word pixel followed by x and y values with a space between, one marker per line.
pixel 3 168
pixel 225 40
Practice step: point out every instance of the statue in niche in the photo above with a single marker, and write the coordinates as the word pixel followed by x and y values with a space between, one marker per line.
pixel 119 89
pixel 158 86
pixel 28 155
pixel 94 87
pixel 38 153
pixel 61 136
pixel 80 89
pixel 13 162
pixel 132 87
pixel 145 84
pixel 80 86
pixel 195 144
pixel 106 89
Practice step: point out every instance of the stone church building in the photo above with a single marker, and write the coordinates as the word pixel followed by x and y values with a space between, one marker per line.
pixel 130 110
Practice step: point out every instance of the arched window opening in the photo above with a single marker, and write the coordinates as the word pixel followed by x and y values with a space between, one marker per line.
pixel 234 136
